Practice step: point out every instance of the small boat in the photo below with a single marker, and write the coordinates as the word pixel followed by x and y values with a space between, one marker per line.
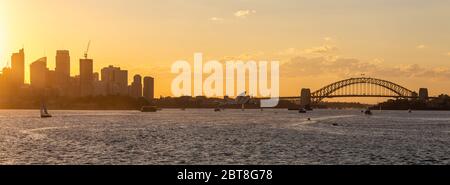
pixel 149 109
pixel 44 112
pixel 302 111
pixel 217 110
pixel 409 111
pixel 368 112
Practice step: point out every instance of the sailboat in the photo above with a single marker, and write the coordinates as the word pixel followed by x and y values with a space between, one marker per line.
pixel 44 112
pixel 368 112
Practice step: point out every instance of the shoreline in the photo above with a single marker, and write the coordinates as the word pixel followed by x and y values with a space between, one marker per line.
pixel 208 108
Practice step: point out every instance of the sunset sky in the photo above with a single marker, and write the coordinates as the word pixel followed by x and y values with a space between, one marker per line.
pixel 317 41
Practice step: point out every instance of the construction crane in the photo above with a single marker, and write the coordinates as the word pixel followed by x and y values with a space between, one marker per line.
pixel 87 50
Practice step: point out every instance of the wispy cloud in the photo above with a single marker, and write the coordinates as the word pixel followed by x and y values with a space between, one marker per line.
pixel 327 39
pixel 244 13
pixel 321 49
pixel 421 46
pixel 345 67
pixel 216 19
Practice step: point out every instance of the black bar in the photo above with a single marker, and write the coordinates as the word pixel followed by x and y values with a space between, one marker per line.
pixel 279 174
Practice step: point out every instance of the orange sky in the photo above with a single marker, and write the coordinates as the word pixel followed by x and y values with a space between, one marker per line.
pixel 405 41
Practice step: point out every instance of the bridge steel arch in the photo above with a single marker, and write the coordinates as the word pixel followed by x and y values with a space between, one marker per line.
pixel 328 90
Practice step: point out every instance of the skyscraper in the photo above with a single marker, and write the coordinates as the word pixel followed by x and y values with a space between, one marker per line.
pixel 38 74
pixel 116 80
pixel 62 72
pixel 18 68
pixel 62 65
pixel 86 77
pixel 136 87
pixel 5 82
pixel 149 88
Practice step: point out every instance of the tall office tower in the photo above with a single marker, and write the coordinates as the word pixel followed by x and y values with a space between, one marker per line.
pixel 122 82
pixel 149 88
pixel 86 77
pixel 136 87
pixel 38 74
pixel 63 66
pixel 60 78
pixel 18 68
pixel 116 80
pixel 5 83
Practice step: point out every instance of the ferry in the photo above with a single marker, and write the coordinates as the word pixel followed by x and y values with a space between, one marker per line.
pixel 302 110
pixel 149 109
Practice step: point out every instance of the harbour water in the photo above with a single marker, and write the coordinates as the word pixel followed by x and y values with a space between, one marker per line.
pixel 202 136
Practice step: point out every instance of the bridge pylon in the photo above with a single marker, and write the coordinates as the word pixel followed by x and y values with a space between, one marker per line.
pixel 305 98
pixel 423 94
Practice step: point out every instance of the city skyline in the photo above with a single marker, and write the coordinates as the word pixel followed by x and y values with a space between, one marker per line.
pixel 44 81
pixel 317 43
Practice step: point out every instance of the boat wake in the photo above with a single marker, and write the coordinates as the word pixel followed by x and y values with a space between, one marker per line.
pixel 34 135
pixel 320 119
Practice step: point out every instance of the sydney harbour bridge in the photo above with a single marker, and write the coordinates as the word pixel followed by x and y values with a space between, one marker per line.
pixel 358 87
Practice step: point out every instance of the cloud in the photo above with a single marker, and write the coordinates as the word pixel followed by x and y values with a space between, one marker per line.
pixel 244 13
pixel 351 67
pixel 258 55
pixel 290 52
pixel 321 49
pixel 216 19
pixel 327 39
pixel 317 66
pixel 324 61
pixel 421 46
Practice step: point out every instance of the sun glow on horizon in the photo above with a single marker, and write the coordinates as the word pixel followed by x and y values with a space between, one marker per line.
pixel 3 52
pixel 3 36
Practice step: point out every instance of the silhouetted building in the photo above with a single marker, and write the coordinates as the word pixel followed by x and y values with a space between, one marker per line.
pixel 136 87
pixel 86 77
pixel 51 81
pixel 305 101
pixel 74 84
pixel 116 80
pixel 38 74
pixel 149 88
pixel 62 66
pixel 5 84
pixel 99 86
pixel 18 68
pixel 423 93
pixel 96 76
